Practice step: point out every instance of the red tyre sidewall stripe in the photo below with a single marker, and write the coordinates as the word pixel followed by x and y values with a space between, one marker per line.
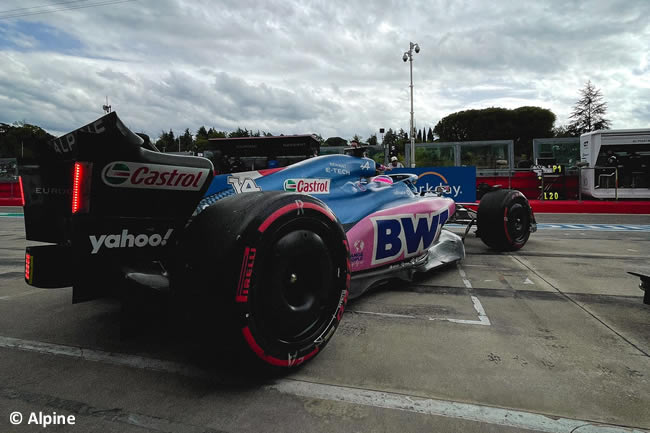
pixel 505 225
pixel 271 359
pixel 292 207
pixel 296 206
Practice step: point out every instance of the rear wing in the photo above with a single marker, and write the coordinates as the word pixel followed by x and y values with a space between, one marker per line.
pixel 107 199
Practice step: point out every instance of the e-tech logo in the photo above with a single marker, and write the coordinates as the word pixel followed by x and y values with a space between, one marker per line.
pixel 308 186
pixel 123 174
pixel 437 180
pixel 408 235
pixel 127 240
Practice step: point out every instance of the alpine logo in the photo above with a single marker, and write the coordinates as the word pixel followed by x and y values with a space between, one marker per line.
pixel 123 174
pixel 127 240
pixel 405 235
pixel 308 186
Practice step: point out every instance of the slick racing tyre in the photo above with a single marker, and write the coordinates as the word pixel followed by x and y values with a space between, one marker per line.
pixel 274 265
pixel 504 220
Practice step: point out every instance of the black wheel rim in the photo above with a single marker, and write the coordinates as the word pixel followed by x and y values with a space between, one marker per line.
pixel 293 300
pixel 518 222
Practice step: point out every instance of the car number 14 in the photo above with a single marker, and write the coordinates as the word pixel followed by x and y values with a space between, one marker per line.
pixel 243 185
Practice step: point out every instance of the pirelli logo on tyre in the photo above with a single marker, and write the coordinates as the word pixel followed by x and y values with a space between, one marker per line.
pixel 121 174
pixel 308 186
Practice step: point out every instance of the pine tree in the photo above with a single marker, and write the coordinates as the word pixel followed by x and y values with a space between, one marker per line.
pixel 589 112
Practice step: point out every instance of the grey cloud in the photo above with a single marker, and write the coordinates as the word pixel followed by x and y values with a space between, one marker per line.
pixel 329 67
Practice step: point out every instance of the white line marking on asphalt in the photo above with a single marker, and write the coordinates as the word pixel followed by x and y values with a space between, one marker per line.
pixel 100 356
pixel 527 281
pixel 379 399
pixel 483 319
pixel 448 409
pixel 463 275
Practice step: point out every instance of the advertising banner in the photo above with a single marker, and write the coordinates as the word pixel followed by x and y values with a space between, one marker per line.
pixel 460 182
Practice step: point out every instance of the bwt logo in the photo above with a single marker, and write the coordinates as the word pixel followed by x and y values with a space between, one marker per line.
pixel 408 234
pixel 451 190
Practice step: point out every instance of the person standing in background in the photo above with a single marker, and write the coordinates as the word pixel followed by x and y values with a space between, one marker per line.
pixel 394 163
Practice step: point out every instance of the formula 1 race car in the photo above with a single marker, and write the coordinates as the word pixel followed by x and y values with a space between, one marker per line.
pixel 272 256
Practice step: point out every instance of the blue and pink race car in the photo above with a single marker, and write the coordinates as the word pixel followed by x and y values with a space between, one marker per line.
pixel 267 258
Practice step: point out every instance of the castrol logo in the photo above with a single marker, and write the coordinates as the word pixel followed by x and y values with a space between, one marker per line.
pixel 308 186
pixel 123 174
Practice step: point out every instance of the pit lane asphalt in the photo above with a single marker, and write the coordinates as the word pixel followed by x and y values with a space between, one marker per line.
pixel 556 334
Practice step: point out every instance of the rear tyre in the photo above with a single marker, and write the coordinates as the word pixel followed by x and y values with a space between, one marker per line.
pixel 504 220
pixel 275 266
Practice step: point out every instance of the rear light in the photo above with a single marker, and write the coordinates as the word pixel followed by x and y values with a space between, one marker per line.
pixel 22 191
pixel 81 187
pixel 29 266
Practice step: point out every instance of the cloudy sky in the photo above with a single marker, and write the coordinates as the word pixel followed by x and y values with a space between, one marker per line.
pixel 329 67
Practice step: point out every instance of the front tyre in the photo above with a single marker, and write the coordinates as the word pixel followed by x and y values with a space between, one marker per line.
pixel 283 267
pixel 504 220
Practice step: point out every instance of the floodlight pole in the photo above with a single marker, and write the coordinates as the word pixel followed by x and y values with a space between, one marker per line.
pixel 409 54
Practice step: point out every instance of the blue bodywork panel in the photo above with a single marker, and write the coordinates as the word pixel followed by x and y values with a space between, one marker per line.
pixel 342 183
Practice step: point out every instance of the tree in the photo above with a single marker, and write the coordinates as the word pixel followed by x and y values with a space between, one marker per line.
pixel 319 138
pixel 430 135
pixel 239 133
pixel 418 138
pixel 390 138
pixel 213 133
pixel 396 139
pixel 20 139
pixel 520 125
pixel 186 140
pixel 202 133
pixel 372 140
pixel 335 141
pixel 562 132
pixel 589 112
pixel 167 142
pixel 201 139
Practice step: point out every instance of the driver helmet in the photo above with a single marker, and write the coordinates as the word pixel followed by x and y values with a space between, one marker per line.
pixel 383 179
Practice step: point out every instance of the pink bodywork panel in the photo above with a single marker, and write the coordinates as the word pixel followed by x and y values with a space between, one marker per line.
pixel 398 233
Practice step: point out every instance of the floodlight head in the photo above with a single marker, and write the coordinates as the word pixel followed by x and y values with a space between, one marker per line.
pixel 405 57
pixel 417 48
